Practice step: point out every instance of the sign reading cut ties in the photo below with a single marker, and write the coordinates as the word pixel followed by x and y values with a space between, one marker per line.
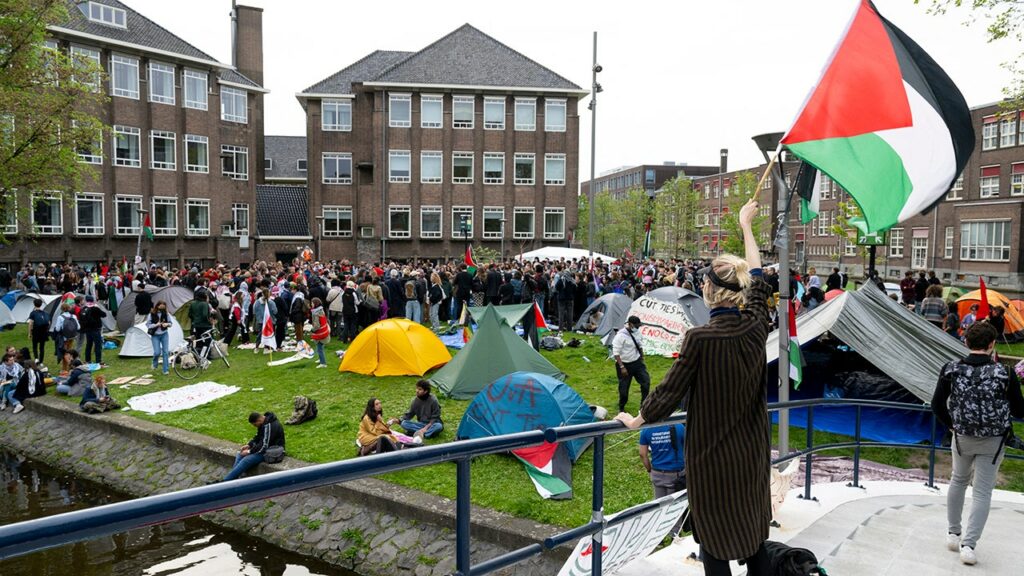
pixel 663 325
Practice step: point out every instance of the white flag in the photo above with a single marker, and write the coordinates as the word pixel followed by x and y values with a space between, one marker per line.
pixel 267 338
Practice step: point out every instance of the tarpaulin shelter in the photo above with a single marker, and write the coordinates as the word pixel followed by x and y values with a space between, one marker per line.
pixel 494 351
pixel 25 304
pixel 614 309
pixel 6 318
pixel 395 347
pixel 174 296
pixel 691 303
pixel 138 344
pixel 1014 330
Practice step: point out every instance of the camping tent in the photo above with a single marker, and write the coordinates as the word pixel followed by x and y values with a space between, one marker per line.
pixel 556 253
pixel 510 314
pixel 665 320
pixel 138 344
pixel 25 303
pixel 692 304
pixel 614 309
pixel 1014 331
pixel 493 351
pixel 10 298
pixel 395 347
pixel 174 296
pixel 6 318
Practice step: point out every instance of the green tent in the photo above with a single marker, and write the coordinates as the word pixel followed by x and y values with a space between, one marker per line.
pixel 510 314
pixel 951 293
pixel 494 351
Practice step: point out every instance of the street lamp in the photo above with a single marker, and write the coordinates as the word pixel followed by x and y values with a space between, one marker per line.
pixel 502 259
pixel 142 226
pixel 723 165
pixel 464 226
pixel 319 235
pixel 595 88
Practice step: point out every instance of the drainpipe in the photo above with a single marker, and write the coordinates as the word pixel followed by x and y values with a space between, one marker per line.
pixel 383 179
pixel 234 33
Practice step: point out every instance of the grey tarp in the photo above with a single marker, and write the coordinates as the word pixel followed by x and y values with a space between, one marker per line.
pixel 175 296
pixel 903 345
pixel 693 305
pixel 615 308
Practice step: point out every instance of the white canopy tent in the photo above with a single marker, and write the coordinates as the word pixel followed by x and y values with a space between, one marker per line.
pixel 137 343
pixel 557 253
pixel 25 304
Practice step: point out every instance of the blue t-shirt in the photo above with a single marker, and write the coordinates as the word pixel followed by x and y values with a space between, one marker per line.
pixel 40 320
pixel 664 455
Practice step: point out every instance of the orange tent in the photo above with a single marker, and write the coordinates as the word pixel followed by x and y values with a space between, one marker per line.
pixel 1014 318
pixel 1019 305
pixel 395 347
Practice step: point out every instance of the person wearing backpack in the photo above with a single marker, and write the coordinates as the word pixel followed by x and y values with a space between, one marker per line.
pixel 975 397
pixel 66 330
pixel 39 329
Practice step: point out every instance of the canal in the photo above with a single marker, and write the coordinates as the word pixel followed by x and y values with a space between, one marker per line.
pixel 185 548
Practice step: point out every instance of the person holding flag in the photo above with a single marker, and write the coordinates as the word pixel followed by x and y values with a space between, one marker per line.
pixel 265 312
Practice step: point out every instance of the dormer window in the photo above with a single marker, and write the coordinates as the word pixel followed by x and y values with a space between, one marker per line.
pixel 107 15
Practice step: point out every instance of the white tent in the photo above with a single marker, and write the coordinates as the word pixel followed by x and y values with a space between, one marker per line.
pixel 137 343
pixel 23 307
pixel 556 253
pixel 6 317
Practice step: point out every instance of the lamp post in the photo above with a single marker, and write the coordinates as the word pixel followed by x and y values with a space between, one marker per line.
pixel 723 165
pixel 142 225
pixel 502 259
pixel 464 226
pixel 595 88
pixel 319 235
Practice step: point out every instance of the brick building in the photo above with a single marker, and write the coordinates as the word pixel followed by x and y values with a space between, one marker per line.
pixel 404 147
pixel 184 133
pixel 648 177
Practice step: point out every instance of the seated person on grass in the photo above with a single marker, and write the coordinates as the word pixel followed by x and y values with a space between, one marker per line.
pixel 266 445
pixel 375 437
pixel 96 398
pixel 30 385
pixel 427 411
pixel 77 381
pixel 10 373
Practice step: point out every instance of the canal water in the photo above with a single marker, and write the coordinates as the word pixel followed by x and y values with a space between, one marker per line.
pixel 185 548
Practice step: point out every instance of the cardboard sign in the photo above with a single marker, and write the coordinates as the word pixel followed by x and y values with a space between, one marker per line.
pixel 624 543
pixel 664 324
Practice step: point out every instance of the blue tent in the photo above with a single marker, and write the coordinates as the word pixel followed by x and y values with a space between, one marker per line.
pixel 11 298
pixel 524 401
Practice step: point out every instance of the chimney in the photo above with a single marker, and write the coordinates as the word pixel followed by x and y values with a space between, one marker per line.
pixel 247 36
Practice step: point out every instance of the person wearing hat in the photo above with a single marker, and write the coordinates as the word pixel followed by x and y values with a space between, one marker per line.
pixel 629 361
pixel 92 329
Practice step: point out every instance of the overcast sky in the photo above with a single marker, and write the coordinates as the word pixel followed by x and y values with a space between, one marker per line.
pixel 681 79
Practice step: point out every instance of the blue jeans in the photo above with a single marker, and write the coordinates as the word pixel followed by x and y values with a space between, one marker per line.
pixel 93 341
pixel 243 464
pixel 160 344
pixel 414 311
pixel 320 351
pixel 11 399
pixel 412 427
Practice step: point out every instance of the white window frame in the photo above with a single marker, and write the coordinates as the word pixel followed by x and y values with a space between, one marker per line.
pixel 896 243
pixel 236 152
pixel 457 211
pixel 197 97
pixel 554 158
pixel 163 230
pixel 298 165
pixel 238 208
pixel 89 230
pixel 490 101
pixel 117 61
pixel 127 230
pixel 989 135
pixel 337 214
pixel 399 155
pixel 93 155
pixel 439 210
pixel 91 55
pixel 957 189
pixel 433 156
pixel 197 140
pixel 400 209
pixel 50 229
pixel 154 135
pixel 988 186
pixel 515 174
pixel 268 164
pixel 919 253
pixel 555 103
pixel 10 226
pixel 986 250
pixel 849 243
pixel 950 233
pixel 196 203
pixel 107 15
pixel 1016 183
pixel 167 70
pixel 394 97
pixel 1008 131
pixel 128 131
pixel 493 211
pixel 337 157
pixel 463 124
pixel 337 106
pixel 518 210
pixel 554 235
pixel 431 99
pixel 472 167
pixel 494 156
pixel 525 122
pixel 230 99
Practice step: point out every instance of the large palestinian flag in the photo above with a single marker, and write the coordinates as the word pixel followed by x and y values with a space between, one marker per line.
pixel 885 122
pixel 550 469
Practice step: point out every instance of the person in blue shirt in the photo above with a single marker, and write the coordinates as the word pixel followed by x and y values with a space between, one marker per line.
pixel 661 451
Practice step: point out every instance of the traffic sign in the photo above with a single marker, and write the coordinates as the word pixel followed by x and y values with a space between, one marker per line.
pixel 873 239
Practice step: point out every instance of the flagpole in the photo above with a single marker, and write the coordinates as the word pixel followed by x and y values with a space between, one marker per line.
pixel 142 228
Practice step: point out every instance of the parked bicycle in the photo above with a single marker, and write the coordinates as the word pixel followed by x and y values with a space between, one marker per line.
pixel 193 356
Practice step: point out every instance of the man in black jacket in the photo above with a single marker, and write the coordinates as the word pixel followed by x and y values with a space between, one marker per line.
pixel 269 435
pixel 493 285
pixel 92 329
pixel 463 291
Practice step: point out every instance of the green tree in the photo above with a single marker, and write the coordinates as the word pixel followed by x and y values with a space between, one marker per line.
pixel 48 101
pixel 674 212
pixel 743 187
pixel 608 224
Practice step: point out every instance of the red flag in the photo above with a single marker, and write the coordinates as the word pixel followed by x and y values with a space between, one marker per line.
pixel 983 307
pixel 538 318
pixel 470 264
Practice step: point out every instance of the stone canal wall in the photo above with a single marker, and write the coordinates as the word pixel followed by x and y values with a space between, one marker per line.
pixel 368 525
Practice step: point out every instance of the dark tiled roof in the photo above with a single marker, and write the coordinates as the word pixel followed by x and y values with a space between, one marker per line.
pixel 362 71
pixel 285 152
pixel 469 57
pixel 236 77
pixel 281 211
pixel 140 30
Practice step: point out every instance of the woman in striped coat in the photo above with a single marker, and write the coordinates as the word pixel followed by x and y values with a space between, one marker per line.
pixel 720 376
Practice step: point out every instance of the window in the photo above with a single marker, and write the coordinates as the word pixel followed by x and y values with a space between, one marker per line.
pixel 1017 179
pixel 233 105
pixel 463 110
pixel 494 167
pixel 707 191
pixel 823 222
pixel 526 114
pixel 240 218
pixel 89 150
pixel 430 221
pixel 399 222
pixel 431 111
pixel 554 169
pixel 337 221
pixel 896 243
pixel 849 243
pixel 127 220
pixel 493 222
pixel 462 168
pixel 554 223
pixel 985 241
pixel 161 83
pixel 197 217
pixel 1008 132
pixel 336 116
pixel 989 183
pixel 161 148
pixel 400 110
pixel 524 171
pixel 165 216
pixel 47 214
pixel 458 214
pixel 399 169
pixel 989 134
pixel 949 243
pixel 268 164
pixel 89 214
pixel 10 217
pixel 196 83
pixel 649 177
pixel 300 165
pixel 87 66
pixel 234 162
pixel 522 223
pixel 197 154
pixel 337 168
pixel 956 192
pixel 124 76
pixel 127 150
pixel 554 115
pixel 919 249
pixel 108 15
pixel 431 167
pixel 494 113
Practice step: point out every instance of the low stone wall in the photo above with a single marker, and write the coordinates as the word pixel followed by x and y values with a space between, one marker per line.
pixel 368 525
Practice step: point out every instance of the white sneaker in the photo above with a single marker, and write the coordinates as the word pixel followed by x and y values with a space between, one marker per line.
pixel 3 406
pixel 321 365
pixel 953 542
pixel 967 555
pixel 21 407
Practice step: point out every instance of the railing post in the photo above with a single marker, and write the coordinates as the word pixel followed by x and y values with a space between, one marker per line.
pixel 808 462
pixel 931 456
pixel 597 514
pixel 856 451
pixel 462 538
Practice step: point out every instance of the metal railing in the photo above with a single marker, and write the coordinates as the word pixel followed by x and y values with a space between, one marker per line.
pixel 39 534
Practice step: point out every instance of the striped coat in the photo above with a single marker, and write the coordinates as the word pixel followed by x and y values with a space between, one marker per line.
pixel 721 374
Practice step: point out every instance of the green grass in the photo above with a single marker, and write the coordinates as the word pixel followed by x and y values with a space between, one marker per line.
pixel 498 481
pixel 1016 349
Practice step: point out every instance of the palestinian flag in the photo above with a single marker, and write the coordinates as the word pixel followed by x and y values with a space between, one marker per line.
pixel 885 122
pixel 470 264
pixel 538 319
pixel 796 358
pixel 550 469
pixel 147 227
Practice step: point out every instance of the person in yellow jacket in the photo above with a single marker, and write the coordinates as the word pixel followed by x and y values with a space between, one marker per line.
pixel 375 437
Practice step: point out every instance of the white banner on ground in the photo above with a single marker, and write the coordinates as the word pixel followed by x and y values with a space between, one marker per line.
pixel 664 324
pixel 623 543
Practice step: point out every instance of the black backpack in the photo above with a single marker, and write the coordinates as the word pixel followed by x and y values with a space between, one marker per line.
pixel 785 560
pixel 69 329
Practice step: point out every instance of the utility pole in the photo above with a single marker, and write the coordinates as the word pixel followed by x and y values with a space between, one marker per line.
pixel 594 89
pixel 723 165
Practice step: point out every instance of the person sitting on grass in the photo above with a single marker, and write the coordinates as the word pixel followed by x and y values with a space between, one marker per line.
pixel 427 411
pixel 77 381
pixel 10 373
pixel 267 443
pixel 30 385
pixel 375 437
pixel 96 398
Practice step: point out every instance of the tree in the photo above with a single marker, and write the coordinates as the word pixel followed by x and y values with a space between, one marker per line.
pixel 744 186
pixel 675 207
pixel 48 100
pixel 608 224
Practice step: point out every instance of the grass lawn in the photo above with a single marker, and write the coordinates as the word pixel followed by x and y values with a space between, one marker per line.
pixel 498 482
pixel 1016 349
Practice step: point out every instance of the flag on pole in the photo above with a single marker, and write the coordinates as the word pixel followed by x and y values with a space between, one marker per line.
pixel 267 338
pixel 466 330
pixel 796 359
pixel 147 227
pixel 538 319
pixel 885 122
pixel 470 264
pixel 983 308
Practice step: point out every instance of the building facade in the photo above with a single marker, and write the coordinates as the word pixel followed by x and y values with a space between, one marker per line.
pixel 418 154
pixel 285 160
pixel 184 131
pixel 648 177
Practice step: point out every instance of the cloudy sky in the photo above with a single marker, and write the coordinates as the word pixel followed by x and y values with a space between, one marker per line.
pixel 682 79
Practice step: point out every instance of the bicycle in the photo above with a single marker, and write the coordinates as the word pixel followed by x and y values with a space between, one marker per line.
pixel 189 361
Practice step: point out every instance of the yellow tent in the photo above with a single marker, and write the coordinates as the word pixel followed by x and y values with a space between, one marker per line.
pixel 395 347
